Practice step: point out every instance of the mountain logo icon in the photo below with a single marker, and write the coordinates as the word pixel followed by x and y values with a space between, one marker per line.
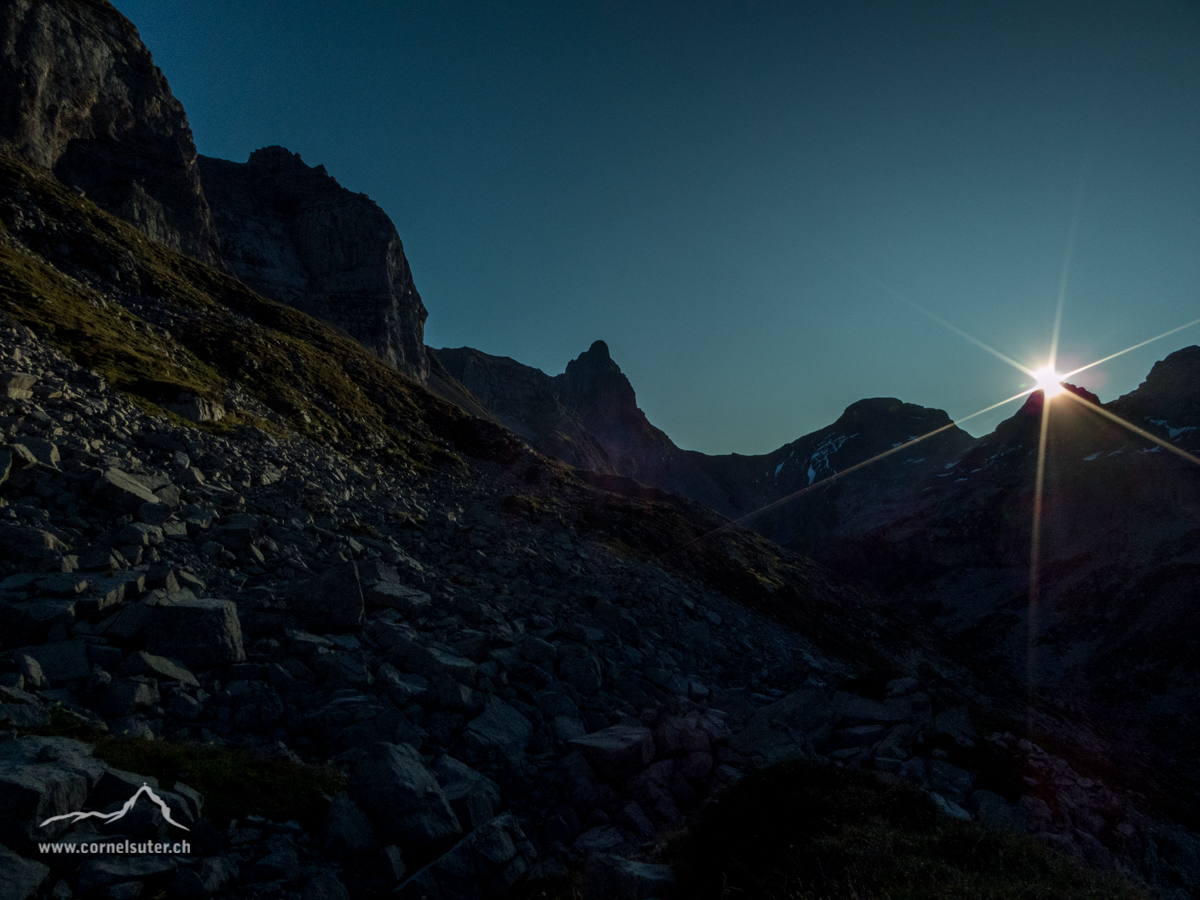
pixel 122 812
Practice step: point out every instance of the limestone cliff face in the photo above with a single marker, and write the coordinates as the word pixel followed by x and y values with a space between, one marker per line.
pixel 292 233
pixel 81 97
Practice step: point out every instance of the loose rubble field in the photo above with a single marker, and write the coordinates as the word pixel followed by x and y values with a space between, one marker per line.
pixel 504 697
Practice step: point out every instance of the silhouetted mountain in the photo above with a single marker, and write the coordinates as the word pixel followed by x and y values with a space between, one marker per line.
pixel 295 235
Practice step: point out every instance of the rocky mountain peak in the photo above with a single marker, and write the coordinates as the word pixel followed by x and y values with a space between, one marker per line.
pixel 594 381
pixel 292 233
pixel 886 414
pixel 1170 393
pixel 80 96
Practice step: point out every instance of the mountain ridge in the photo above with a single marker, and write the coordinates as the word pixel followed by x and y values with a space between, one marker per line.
pixel 521 669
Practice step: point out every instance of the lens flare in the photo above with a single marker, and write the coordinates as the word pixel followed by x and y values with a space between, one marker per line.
pixel 1048 382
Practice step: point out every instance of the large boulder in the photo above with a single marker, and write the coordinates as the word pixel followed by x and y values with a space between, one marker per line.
pixel 19 878
pixel 121 492
pixel 779 730
pixel 484 865
pixel 610 877
pixel 80 96
pixel 499 726
pixel 331 603
pixel 40 778
pixel 18 542
pixel 201 633
pixel 402 798
pixel 618 752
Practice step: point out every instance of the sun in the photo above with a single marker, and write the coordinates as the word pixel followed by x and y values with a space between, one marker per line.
pixel 1048 382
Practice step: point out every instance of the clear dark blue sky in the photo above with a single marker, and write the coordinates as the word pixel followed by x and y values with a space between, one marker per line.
pixel 719 189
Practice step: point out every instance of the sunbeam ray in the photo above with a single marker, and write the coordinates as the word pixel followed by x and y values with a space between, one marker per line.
pixel 892 292
pixel 1035 552
pixel 1141 432
pixel 1064 275
pixel 1092 365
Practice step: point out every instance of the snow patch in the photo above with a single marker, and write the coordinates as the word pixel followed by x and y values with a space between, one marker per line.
pixel 1174 432
pixel 819 459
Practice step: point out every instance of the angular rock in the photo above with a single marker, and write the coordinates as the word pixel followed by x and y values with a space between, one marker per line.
pixel 23 715
pixel 609 877
pixel 387 866
pixel 16 385
pixel 200 633
pixel 473 800
pixel 282 865
pixel 43 451
pixel 20 878
pixel 142 663
pixel 402 798
pixel 582 673
pixel 409 601
pixel 485 864
pixel 433 663
pixel 499 726
pixel 331 603
pixel 347 829
pixel 95 874
pixel 457 697
pixel 125 697
pixel 856 710
pixel 950 781
pixel 196 409
pixel 61 661
pixel 121 491
pixel 187 885
pixel 994 811
pixel 404 690
pixel 617 752
pixel 40 778
pixel 18 542
pixel 956 723
pixel 324 886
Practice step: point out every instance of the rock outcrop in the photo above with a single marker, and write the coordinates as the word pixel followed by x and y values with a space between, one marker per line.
pixel 595 387
pixel 295 235
pixel 81 97
pixel 524 399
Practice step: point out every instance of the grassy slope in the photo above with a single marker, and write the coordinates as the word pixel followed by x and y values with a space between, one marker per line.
pixel 802 831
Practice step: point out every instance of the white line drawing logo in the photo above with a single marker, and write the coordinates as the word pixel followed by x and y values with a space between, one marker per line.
pixel 120 813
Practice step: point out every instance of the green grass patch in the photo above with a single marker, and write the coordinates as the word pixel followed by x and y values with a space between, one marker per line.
pixel 235 783
pixel 95 333
pixel 314 378
pixel 805 831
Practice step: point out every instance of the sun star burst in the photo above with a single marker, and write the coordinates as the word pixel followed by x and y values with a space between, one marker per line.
pixel 1048 381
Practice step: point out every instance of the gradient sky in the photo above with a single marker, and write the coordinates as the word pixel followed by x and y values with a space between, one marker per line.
pixel 731 193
